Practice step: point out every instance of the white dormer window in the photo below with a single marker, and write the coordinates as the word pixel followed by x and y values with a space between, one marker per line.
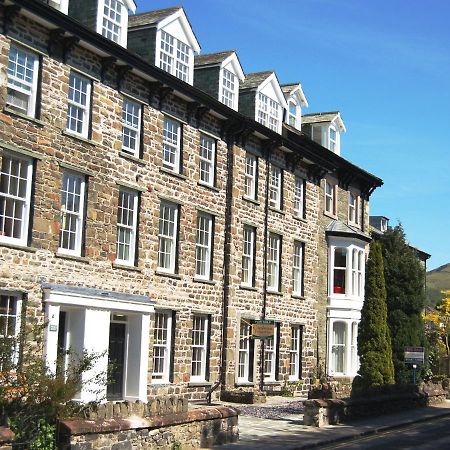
pixel 175 57
pixel 228 88
pixel 333 141
pixel 268 112
pixel 112 21
pixel 292 114
pixel 60 5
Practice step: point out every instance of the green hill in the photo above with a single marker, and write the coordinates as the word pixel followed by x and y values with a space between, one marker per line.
pixel 437 280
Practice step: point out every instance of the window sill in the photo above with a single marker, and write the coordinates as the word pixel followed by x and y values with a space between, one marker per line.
pixel 160 383
pixel 12 112
pixel 279 293
pixel 298 296
pixel 173 173
pixel 208 186
pixel 126 267
pixel 272 383
pixel 203 280
pixel 168 274
pixel 244 384
pixel 353 224
pixel 279 211
pixel 248 288
pixel 132 158
pixel 251 200
pixel 18 247
pixel 79 137
pixel 82 259
pixel 330 215
pixel 199 383
pixel 300 219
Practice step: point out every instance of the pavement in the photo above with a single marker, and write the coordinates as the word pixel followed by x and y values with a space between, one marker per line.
pixel 287 431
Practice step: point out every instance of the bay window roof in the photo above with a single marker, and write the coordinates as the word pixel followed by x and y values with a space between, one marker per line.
pixel 340 229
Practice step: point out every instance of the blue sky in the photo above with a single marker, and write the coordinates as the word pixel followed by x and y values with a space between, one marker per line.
pixel 385 65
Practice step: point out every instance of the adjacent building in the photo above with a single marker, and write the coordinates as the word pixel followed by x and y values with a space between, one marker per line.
pixel 155 203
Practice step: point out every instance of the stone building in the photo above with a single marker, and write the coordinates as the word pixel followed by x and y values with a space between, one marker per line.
pixel 154 204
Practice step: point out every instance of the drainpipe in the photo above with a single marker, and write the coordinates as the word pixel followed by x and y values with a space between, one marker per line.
pixel 230 139
pixel 268 151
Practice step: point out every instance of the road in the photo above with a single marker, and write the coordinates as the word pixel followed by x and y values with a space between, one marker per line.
pixel 430 435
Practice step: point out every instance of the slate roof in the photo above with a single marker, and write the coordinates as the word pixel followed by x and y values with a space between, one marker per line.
pixel 151 17
pixel 339 228
pixel 319 117
pixel 208 59
pixel 288 88
pixel 253 80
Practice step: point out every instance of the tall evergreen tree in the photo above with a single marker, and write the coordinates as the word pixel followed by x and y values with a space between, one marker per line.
pixel 374 342
pixel 405 281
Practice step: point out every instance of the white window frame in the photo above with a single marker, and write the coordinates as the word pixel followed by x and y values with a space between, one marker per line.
pixel 15 197
pixel 174 56
pixel 127 218
pixel 275 187
pixel 250 182
pixel 248 256
pixel 71 213
pixel 292 116
pixel 295 353
pixel 207 157
pixel 268 112
pixel 19 82
pixel 172 144
pixel 330 197
pixel 341 290
pixel 270 356
pixel 199 347
pixel 228 92
pixel 79 110
pixel 120 37
pixel 360 274
pixel 244 352
pixel 162 340
pixel 299 197
pixel 273 262
pixel 332 140
pixel 131 126
pixel 339 349
pixel 203 245
pixel 168 219
pixel 297 268
pixel 11 314
pixel 353 212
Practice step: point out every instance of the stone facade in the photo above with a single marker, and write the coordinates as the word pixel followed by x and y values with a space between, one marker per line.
pixel 26 271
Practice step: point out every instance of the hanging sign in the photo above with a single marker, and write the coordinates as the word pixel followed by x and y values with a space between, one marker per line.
pixel 263 329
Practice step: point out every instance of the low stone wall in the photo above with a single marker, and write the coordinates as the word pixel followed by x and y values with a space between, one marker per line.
pixel 156 406
pixel 321 412
pixel 241 396
pixel 198 428
pixel 6 437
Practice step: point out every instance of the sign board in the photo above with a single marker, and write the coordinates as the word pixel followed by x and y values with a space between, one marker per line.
pixel 414 355
pixel 263 329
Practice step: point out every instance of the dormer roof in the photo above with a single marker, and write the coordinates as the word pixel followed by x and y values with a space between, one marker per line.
pixel 220 59
pixel 295 89
pixel 163 17
pixel 332 117
pixel 259 80
pixel 130 4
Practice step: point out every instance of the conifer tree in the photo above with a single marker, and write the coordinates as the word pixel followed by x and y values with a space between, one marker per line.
pixel 405 280
pixel 374 342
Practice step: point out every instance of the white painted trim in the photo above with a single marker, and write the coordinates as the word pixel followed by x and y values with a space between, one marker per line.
pixel 184 22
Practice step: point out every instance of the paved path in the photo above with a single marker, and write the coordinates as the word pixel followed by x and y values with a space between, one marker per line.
pixel 285 429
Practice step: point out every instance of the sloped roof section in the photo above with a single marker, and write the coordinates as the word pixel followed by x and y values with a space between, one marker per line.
pixel 320 117
pixel 253 80
pixel 151 17
pixel 341 229
pixel 210 59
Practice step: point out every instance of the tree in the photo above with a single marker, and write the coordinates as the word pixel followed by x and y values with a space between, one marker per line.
pixel 437 328
pixel 405 287
pixel 374 342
